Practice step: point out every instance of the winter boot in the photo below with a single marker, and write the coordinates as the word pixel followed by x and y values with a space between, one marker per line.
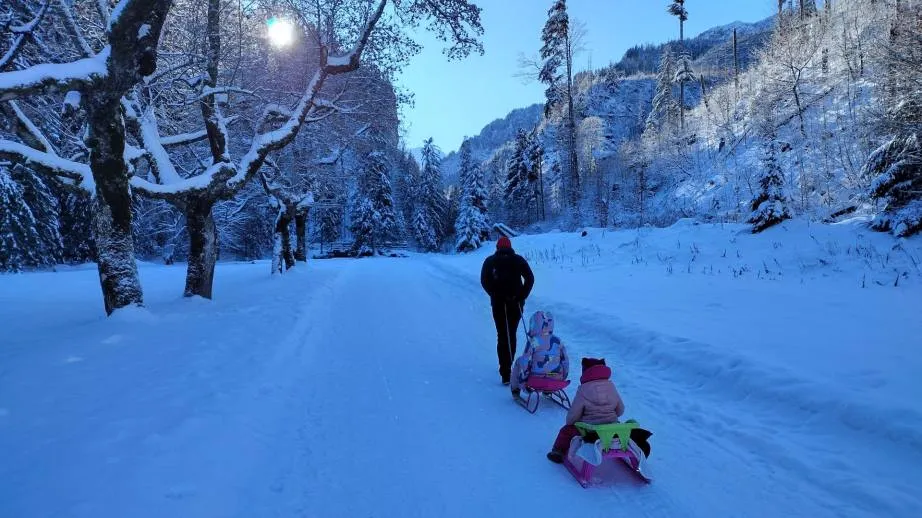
pixel 555 456
pixel 516 393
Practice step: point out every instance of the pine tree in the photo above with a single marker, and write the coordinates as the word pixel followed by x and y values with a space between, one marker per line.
pixel 19 242
pixel 471 227
pixel 29 235
pixel 677 9
pixel 382 197
pixel 374 217
pixel 431 199
pixel 363 225
pixel 665 110
pixel 422 230
pixel 76 227
pixel 465 165
pixel 518 192
pixel 535 156
pixel 557 52
pixel 44 206
pixel 898 183
pixel 406 178
pixel 770 207
pixel 896 166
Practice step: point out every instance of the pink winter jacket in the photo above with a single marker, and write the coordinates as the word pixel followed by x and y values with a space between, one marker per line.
pixel 597 400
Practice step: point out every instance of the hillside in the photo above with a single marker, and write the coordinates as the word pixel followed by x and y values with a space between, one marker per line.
pixel 493 136
pixel 811 89
pixel 712 47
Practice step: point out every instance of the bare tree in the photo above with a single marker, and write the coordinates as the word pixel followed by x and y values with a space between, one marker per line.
pixel 100 79
pixel 324 24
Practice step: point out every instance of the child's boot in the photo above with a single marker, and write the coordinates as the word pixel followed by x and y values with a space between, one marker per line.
pixel 555 456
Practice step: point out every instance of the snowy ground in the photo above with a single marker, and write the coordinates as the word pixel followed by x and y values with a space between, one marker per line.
pixel 780 378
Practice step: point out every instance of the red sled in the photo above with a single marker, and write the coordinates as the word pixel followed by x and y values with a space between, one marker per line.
pixel 537 387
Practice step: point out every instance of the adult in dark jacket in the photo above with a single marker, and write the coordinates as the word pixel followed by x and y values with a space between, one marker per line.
pixel 507 279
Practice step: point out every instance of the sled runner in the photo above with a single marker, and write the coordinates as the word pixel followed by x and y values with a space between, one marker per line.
pixel 616 444
pixel 537 386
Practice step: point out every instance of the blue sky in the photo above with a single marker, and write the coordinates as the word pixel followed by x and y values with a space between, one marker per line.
pixel 458 98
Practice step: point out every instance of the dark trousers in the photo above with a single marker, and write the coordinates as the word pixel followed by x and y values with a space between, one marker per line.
pixel 506 316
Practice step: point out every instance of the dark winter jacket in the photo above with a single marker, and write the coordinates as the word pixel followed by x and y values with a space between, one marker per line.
pixel 506 277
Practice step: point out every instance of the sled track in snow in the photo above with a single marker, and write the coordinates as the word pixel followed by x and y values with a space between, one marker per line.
pixel 795 425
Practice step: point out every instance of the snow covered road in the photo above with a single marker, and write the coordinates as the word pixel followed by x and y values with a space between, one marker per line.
pixel 369 388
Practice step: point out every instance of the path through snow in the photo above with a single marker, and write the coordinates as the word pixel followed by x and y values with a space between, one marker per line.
pixel 369 388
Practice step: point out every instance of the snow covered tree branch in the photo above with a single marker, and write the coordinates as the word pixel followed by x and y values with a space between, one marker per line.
pixel 76 173
pixel 22 32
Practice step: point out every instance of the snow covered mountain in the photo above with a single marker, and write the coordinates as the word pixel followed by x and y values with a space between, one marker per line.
pixel 711 43
pixel 493 136
pixel 623 104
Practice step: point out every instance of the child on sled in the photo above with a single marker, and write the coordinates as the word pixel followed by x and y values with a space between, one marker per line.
pixel 597 402
pixel 544 355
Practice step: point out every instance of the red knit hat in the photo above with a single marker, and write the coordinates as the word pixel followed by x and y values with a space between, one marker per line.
pixel 503 242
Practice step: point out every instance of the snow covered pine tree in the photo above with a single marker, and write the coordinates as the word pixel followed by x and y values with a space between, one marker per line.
pixel 557 52
pixel 374 217
pixel 770 206
pixel 896 166
pixel 471 226
pixel 429 216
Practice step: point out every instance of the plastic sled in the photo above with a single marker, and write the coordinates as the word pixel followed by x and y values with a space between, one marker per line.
pixel 537 387
pixel 623 449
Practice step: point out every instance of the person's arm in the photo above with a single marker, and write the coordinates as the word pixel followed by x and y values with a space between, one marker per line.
pixel 529 279
pixel 576 408
pixel 485 278
pixel 564 361
pixel 619 408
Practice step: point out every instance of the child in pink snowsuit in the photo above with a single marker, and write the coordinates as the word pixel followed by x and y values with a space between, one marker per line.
pixel 545 355
pixel 597 402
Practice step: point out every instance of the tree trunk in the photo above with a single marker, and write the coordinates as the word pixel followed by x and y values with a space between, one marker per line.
pixel 118 272
pixel 203 248
pixel 571 135
pixel 736 65
pixel 282 249
pixel 682 82
pixel 539 192
pixel 800 110
pixel 301 232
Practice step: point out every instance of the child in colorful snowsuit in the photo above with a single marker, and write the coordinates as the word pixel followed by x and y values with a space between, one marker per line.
pixel 597 402
pixel 544 355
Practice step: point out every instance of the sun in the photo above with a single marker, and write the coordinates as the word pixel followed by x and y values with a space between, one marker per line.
pixel 281 32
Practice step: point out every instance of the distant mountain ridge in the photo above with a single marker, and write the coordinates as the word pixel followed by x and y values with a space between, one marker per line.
pixel 493 136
